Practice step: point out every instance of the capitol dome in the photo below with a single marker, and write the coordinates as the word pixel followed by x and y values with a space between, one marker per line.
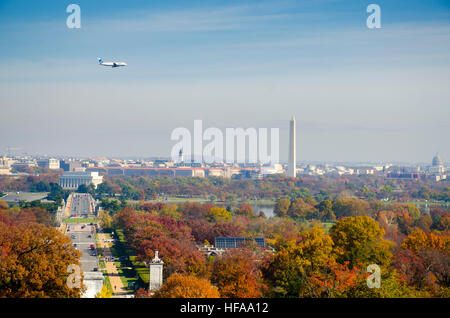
pixel 437 161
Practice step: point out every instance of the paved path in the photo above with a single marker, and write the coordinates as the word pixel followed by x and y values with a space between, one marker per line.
pixel 111 269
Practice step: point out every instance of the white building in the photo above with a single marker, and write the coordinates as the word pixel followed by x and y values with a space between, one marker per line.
pixel 292 171
pixel 5 165
pixel 50 163
pixel 72 180
pixel 275 169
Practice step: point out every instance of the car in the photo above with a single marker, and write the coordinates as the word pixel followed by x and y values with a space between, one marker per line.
pixel 75 245
pixel 89 235
pixel 72 236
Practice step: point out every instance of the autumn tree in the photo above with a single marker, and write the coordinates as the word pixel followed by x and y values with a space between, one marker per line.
pixel 424 222
pixel 245 209
pixel 424 261
pixel 326 213
pixel 104 293
pixel 237 275
pixel 334 282
pixel 443 223
pixel 295 261
pixel 420 240
pixel 147 233
pixel 187 286
pixel 282 207
pixel 170 211
pixel 104 219
pixel 194 210
pixel 34 261
pixel 3 205
pixel 218 214
pixel 360 239
pixel 301 208
pixel 202 230
pixel 350 207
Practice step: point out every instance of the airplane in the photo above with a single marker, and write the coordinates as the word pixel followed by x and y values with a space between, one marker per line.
pixel 112 64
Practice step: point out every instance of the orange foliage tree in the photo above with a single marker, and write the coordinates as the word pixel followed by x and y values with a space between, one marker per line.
pixel 187 286
pixel 236 274
pixel 419 240
pixel 34 259
pixel 335 281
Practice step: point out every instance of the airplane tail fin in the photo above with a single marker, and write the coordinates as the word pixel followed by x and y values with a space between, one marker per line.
pixel 100 61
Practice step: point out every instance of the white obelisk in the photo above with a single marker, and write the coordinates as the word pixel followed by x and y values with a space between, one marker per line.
pixel 292 149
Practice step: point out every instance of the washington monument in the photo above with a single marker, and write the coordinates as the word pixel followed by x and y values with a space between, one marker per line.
pixel 292 149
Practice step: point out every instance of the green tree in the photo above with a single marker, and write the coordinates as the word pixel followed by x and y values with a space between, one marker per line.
pixel 288 270
pixel 104 219
pixel 350 207
pixel 325 208
pixel 300 208
pixel 282 207
pixel 360 239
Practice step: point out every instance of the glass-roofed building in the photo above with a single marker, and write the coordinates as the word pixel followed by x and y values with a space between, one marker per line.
pixel 235 242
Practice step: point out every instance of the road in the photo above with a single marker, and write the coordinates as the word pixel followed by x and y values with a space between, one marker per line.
pixel 83 237
pixel 82 205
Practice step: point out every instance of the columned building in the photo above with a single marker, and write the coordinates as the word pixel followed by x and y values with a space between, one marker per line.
pixel 72 180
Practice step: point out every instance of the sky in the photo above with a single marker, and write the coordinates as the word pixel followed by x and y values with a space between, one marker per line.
pixel 358 94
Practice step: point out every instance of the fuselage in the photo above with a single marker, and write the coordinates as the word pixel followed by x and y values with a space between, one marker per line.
pixel 113 64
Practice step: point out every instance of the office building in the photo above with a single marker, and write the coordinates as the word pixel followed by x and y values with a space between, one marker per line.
pixel 50 163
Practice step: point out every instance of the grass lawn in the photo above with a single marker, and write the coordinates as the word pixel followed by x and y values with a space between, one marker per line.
pixel 106 281
pixel 141 270
pixel 126 273
pixel 327 226
pixel 80 220
pixel 125 267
